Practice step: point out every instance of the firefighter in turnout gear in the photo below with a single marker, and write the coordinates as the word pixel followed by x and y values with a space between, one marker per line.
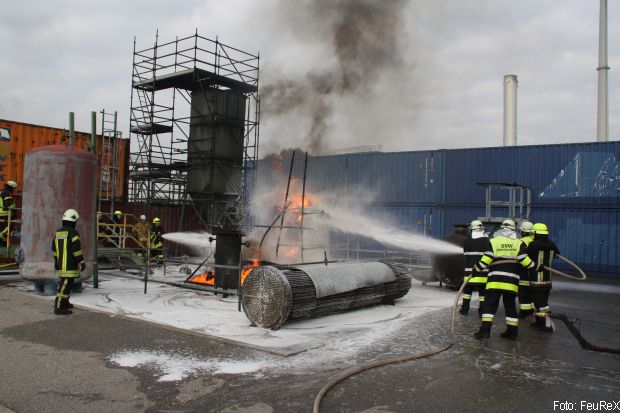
pixel 503 261
pixel 68 260
pixel 543 251
pixel 141 232
pixel 475 246
pixel 6 205
pixel 526 305
pixel 157 243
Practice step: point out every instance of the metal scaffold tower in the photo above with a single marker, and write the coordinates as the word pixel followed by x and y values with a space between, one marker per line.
pixel 194 126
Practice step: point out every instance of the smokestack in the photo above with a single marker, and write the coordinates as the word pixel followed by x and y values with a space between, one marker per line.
pixel 602 123
pixel 510 110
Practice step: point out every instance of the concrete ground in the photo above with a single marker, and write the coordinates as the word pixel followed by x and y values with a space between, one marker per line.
pixel 62 364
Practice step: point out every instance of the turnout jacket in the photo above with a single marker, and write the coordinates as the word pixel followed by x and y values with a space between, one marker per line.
pixel 6 202
pixel 67 252
pixel 524 278
pixel 474 249
pixel 543 251
pixel 504 276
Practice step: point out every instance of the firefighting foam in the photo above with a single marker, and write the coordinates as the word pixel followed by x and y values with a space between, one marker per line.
pixel 307 228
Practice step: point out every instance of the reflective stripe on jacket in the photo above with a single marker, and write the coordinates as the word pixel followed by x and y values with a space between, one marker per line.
pixel 504 275
pixel 67 252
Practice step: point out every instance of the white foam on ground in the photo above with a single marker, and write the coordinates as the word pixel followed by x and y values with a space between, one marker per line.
pixel 313 343
pixel 176 367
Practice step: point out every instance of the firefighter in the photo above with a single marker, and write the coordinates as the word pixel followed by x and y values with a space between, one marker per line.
pixel 543 251
pixel 141 231
pixel 475 246
pixel 68 260
pixel 157 243
pixel 506 254
pixel 7 203
pixel 526 305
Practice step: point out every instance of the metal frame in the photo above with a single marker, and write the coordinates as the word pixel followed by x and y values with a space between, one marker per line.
pixel 108 160
pixel 163 78
pixel 517 201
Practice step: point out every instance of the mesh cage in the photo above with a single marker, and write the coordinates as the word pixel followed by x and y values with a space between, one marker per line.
pixel 266 297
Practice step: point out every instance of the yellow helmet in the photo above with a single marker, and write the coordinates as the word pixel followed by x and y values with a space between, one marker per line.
pixel 540 228
pixel 156 220
pixel 117 212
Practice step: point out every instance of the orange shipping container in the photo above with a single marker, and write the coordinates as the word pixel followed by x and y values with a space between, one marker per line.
pixel 17 138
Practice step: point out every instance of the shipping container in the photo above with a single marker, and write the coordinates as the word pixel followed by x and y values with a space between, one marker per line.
pixel 17 138
pixel 568 174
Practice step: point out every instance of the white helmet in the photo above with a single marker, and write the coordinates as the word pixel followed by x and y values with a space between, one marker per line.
pixel 143 217
pixel 70 215
pixel 508 224
pixel 12 184
pixel 476 224
pixel 526 226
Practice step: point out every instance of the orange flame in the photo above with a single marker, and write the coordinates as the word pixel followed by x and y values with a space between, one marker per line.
pixel 208 277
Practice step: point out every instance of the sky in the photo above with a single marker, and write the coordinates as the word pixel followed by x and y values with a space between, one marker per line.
pixel 407 74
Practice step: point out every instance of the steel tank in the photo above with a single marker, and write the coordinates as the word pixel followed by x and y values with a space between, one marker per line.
pixel 56 178
pixel 450 268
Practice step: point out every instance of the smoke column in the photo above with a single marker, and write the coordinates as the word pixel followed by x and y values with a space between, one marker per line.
pixel 362 36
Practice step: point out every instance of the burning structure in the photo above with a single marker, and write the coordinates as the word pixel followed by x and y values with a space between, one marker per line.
pixel 196 155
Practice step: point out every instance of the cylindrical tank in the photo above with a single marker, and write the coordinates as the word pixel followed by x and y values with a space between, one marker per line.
pixel 271 296
pixel 450 268
pixel 56 178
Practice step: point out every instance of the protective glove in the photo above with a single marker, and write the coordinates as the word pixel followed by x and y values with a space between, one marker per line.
pixel 82 266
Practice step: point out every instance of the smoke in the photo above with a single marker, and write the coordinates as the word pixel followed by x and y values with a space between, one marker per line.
pixel 362 37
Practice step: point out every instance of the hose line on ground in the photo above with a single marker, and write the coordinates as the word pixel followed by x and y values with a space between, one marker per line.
pixel 358 369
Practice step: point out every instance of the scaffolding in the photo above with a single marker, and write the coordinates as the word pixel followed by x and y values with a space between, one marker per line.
pixel 108 159
pixel 167 81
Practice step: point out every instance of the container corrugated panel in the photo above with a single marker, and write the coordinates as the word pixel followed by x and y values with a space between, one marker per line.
pixel 589 237
pixel 567 174
pixel 17 138
pixel 459 216
pixel 407 178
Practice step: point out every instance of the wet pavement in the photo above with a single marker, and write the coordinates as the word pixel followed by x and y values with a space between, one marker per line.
pixel 53 364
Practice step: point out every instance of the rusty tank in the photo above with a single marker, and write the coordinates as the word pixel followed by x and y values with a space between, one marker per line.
pixel 56 178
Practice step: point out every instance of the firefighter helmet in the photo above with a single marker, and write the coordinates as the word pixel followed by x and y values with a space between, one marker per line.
pixel 11 184
pixel 508 224
pixel 70 215
pixel 476 224
pixel 143 217
pixel 117 212
pixel 156 220
pixel 540 228
pixel 526 226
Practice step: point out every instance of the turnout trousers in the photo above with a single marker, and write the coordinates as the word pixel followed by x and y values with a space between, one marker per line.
pixel 63 293
pixel 468 293
pixel 491 304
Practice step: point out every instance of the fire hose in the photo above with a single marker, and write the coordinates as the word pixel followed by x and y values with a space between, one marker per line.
pixel 416 356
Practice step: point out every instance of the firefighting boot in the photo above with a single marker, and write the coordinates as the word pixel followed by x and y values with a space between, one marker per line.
pixel 484 331
pixel 464 308
pixel 525 313
pixel 543 323
pixel 62 311
pixel 510 333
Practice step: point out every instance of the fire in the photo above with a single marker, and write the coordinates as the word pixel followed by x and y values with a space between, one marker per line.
pixel 208 277
pixel 291 251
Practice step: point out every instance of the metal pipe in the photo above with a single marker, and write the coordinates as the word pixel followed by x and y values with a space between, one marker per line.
pixel 602 120
pixel 93 145
pixel 72 128
pixel 510 110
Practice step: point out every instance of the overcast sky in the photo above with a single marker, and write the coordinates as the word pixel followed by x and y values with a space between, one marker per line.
pixel 445 89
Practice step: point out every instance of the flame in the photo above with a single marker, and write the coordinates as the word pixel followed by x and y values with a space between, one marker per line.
pixel 208 277
pixel 291 251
